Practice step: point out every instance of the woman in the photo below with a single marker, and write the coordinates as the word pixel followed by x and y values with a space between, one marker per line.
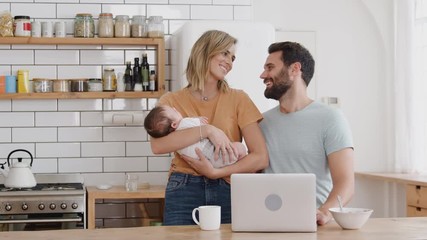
pixel 231 116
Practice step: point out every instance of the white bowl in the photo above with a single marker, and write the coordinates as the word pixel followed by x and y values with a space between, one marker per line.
pixel 351 218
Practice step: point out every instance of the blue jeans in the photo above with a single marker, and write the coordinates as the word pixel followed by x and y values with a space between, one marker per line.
pixel 184 192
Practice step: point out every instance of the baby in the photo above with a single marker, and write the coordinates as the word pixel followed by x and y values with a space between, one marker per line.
pixel 163 120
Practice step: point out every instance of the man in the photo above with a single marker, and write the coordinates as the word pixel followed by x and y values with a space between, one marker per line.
pixel 302 135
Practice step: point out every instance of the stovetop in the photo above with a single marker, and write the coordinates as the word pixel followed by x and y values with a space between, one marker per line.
pixel 45 187
pixel 54 193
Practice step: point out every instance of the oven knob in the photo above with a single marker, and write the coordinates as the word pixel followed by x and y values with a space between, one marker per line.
pixel 63 205
pixel 74 206
pixel 24 206
pixel 41 206
pixel 52 206
pixel 8 207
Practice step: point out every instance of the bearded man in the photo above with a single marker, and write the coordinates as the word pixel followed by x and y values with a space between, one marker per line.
pixel 303 135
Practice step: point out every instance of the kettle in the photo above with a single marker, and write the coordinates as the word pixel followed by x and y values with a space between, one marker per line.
pixel 19 174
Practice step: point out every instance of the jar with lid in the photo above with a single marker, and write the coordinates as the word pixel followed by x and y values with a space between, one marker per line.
pixel 84 26
pixel 95 85
pixel 22 26
pixel 122 26
pixel 106 25
pixel 79 85
pixel 61 85
pixel 139 26
pixel 109 80
pixel 155 27
pixel 42 85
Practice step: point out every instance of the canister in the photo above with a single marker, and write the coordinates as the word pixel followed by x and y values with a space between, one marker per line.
pixel 95 85
pixel 139 26
pixel 42 85
pixel 109 80
pixel 61 85
pixel 36 29
pixel 47 29
pixel 60 29
pixel 155 27
pixel 106 25
pixel 122 26
pixel 84 26
pixel 2 84
pixel 10 84
pixel 22 26
pixel 23 81
pixel 79 85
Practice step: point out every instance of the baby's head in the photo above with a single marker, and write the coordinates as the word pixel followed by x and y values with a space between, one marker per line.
pixel 161 121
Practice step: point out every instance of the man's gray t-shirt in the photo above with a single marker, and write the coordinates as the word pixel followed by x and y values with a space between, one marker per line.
pixel 299 142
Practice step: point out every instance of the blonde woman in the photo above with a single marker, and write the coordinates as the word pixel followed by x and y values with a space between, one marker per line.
pixel 232 116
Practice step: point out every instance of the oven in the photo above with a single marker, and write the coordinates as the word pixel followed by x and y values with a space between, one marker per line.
pixel 54 203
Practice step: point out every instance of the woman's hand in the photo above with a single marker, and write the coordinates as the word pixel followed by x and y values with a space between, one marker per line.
pixel 202 166
pixel 203 120
pixel 221 142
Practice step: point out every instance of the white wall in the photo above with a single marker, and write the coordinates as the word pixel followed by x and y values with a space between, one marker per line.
pixel 354 50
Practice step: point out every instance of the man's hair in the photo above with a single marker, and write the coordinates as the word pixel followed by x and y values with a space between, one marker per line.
pixel 157 124
pixel 293 52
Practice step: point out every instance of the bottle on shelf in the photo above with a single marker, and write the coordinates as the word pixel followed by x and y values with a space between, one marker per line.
pixel 128 77
pixel 137 81
pixel 152 85
pixel 145 72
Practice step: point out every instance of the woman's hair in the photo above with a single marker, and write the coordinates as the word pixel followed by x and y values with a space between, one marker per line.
pixel 206 47
pixel 157 124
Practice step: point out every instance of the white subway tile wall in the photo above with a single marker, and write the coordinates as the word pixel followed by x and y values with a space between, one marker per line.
pixel 69 135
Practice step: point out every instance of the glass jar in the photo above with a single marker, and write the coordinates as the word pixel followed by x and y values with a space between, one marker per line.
pixel 84 26
pixel 79 85
pixel 22 26
pixel 42 85
pixel 61 85
pixel 139 26
pixel 109 80
pixel 155 27
pixel 122 26
pixel 106 25
pixel 95 85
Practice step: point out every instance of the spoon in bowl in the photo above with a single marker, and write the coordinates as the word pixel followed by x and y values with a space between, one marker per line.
pixel 339 202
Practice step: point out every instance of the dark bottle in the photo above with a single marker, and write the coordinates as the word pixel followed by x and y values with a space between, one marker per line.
pixel 136 74
pixel 145 72
pixel 128 76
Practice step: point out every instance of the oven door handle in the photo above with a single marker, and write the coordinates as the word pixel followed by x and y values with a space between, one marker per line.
pixel 45 220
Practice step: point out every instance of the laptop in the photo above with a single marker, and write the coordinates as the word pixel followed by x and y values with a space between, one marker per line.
pixel 273 202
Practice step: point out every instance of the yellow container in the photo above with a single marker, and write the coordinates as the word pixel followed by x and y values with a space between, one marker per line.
pixel 23 81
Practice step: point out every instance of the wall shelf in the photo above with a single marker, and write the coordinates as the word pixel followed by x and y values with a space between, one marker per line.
pixel 82 41
pixel 156 42
pixel 80 95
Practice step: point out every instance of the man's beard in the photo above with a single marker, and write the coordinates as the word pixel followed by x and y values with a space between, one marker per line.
pixel 280 85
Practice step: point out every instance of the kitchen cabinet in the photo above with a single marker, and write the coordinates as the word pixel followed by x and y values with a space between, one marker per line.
pixel 158 43
pixel 119 192
pixel 415 186
pixel 416 200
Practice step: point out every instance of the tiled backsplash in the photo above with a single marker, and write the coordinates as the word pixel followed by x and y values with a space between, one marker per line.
pixel 68 135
